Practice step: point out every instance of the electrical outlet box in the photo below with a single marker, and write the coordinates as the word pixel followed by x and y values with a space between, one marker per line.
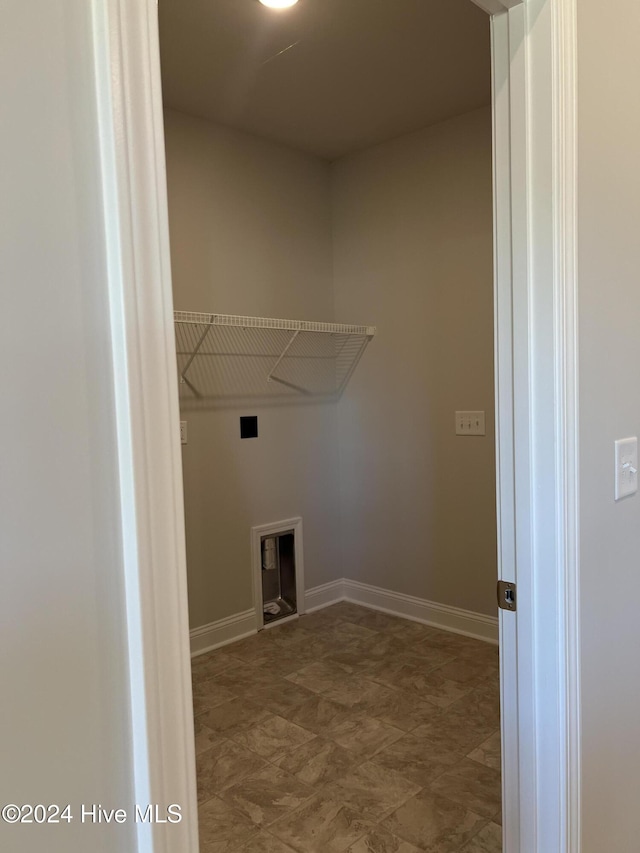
pixel 470 423
pixel 626 462
pixel 183 432
pixel 249 426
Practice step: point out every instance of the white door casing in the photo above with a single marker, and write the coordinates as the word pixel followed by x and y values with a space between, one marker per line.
pixel 536 407
pixel 534 103
pixel 127 69
pixel 505 124
pixel 495 7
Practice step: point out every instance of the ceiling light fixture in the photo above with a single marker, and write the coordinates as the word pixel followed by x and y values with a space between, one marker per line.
pixel 278 4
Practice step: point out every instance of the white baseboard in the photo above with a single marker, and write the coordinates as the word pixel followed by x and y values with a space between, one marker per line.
pixel 224 631
pixel 442 616
pixel 477 625
pixel 206 638
pixel 324 595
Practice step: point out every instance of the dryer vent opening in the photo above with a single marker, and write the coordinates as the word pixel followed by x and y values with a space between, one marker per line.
pixel 278 560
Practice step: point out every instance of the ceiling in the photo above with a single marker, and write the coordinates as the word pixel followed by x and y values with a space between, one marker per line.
pixel 327 76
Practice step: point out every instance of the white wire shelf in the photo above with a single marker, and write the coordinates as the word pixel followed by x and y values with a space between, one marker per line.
pixel 229 357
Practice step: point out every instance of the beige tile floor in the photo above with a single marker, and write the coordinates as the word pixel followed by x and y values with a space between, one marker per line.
pixel 348 730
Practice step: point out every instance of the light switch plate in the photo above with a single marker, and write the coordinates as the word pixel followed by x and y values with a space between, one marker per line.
pixel 626 478
pixel 470 423
pixel 183 432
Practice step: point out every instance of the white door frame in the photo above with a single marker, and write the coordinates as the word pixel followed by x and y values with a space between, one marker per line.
pixel 127 68
pixel 534 99
pixel 534 121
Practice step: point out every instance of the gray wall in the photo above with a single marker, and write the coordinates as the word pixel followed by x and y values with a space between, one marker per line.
pixel 413 254
pixel 251 234
pixel 609 311
pixel 64 713
pixel 399 236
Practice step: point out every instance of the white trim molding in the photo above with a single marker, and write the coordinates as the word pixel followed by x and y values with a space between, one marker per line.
pixel 150 469
pixel 534 101
pixel 324 595
pixel 452 619
pixel 565 183
pixel 495 7
pixel 272 529
pixel 511 289
pixel 222 632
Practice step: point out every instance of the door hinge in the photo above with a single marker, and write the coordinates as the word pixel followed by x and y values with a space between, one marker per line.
pixel 506 595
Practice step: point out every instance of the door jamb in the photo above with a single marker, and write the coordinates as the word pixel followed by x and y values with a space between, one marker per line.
pixel 133 176
pixel 534 110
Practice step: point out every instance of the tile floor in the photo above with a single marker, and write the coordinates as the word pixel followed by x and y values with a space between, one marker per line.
pixel 348 730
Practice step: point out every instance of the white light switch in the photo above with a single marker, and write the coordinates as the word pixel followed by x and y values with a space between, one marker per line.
pixel 183 432
pixel 626 467
pixel 470 423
